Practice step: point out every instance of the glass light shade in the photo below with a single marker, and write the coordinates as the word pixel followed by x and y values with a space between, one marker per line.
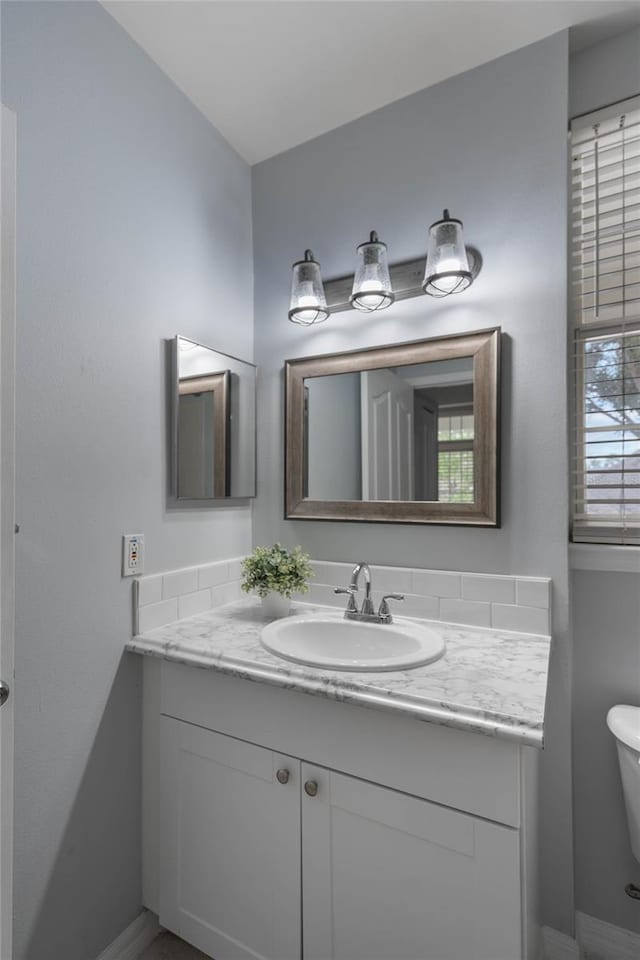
pixel 372 283
pixel 447 268
pixel 308 301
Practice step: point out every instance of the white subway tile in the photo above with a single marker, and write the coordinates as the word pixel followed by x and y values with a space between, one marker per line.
pixel 519 619
pixel 481 587
pixel 149 590
pixel 235 569
pixel 390 580
pixel 472 613
pixel 334 574
pixel 226 593
pixel 428 583
pixel 179 582
pixel 157 614
pixel 322 594
pixel 425 608
pixel 534 593
pixel 193 603
pixel 212 574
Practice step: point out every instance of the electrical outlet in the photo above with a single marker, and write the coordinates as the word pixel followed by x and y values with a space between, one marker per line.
pixel 132 554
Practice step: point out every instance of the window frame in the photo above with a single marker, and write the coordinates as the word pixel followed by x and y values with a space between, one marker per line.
pixel 582 330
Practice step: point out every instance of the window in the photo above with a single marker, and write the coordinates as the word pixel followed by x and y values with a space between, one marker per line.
pixel 605 226
pixel 455 454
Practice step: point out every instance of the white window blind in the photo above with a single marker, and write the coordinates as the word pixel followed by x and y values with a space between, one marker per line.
pixel 455 453
pixel 605 265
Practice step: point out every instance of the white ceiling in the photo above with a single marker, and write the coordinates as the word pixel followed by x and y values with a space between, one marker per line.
pixel 270 74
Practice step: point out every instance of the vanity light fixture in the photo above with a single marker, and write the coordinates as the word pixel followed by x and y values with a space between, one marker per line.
pixel 308 301
pixel 451 267
pixel 447 269
pixel 372 284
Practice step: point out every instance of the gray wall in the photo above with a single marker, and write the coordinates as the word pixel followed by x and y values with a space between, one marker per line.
pixel 606 630
pixel 134 224
pixel 606 618
pixel 491 145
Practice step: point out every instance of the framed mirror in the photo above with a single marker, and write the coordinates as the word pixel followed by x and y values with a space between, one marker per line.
pixel 396 434
pixel 214 423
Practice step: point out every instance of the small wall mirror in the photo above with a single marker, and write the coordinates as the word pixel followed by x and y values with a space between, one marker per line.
pixel 214 417
pixel 402 434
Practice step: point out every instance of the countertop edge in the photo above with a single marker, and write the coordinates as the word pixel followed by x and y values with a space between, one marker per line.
pixel 428 712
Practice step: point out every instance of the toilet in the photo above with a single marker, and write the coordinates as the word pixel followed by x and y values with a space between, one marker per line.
pixel 624 723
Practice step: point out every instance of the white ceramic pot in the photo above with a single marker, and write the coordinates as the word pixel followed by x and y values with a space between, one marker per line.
pixel 275 605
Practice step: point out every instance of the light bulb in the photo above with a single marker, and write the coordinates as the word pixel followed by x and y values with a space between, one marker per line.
pixel 373 301
pixel 307 298
pixel 309 301
pixel 449 263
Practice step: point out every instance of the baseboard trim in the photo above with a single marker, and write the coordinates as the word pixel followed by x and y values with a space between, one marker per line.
pixel 604 941
pixel 134 939
pixel 558 946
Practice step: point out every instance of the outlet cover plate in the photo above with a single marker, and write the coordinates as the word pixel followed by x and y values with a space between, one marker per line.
pixel 132 554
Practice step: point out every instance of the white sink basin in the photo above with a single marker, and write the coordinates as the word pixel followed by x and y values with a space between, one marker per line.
pixel 328 640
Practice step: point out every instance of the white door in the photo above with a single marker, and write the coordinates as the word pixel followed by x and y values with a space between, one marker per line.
pixel 387 436
pixel 7 532
pixel 387 876
pixel 230 829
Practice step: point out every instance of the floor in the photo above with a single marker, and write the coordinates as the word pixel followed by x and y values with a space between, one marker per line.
pixel 168 947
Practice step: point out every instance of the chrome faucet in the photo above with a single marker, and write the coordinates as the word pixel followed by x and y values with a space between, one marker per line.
pixel 367 603
pixel 366 614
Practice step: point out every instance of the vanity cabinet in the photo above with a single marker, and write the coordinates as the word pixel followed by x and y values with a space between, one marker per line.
pixel 382 874
pixel 406 841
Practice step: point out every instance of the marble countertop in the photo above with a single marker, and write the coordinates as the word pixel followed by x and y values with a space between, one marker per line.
pixel 488 681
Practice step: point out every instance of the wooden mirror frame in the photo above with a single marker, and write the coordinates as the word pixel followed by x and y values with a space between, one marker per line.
pixel 218 384
pixel 484 347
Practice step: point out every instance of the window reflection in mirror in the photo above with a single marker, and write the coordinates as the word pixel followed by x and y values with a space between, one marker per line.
pixel 404 433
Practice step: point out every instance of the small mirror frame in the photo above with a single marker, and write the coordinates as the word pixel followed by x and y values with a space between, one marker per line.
pixel 484 347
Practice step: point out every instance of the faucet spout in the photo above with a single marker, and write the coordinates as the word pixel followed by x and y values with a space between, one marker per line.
pixel 367 603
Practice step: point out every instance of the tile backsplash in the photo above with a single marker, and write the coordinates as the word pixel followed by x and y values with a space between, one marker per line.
pixel 519 604
pixel 166 597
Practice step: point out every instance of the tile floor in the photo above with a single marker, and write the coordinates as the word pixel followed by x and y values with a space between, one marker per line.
pixel 168 947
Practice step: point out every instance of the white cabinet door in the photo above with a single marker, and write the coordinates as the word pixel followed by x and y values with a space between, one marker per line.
pixel 230 863
pixel 389 877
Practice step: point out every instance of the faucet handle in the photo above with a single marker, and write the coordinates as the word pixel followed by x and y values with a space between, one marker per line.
pixel 384 606
pixel 351 603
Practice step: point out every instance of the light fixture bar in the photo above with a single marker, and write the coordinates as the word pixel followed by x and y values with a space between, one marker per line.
pixel 406 280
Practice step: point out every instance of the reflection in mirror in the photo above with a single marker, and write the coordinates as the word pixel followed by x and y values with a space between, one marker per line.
pixel 405 433
pixel 214 423
pixel 401 433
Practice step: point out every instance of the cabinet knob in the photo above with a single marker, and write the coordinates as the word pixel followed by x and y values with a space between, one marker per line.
pixel 311 788
pixel 282 775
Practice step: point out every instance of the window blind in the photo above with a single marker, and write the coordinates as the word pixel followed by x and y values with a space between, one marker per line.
pixel 605 268
pixel 455 453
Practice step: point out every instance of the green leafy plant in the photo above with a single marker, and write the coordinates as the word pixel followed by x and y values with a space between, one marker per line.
pixel 276 569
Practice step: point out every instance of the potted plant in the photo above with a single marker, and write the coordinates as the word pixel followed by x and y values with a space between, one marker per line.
pixel 275 573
